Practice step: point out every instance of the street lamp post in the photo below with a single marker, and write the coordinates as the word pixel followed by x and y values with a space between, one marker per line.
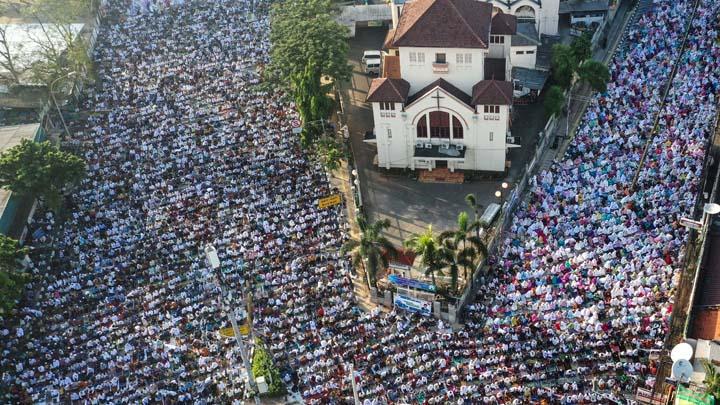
pixel 354 386
pixel 214 260
pixel 52 95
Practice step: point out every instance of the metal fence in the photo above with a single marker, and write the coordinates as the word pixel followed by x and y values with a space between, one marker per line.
pixel 510 206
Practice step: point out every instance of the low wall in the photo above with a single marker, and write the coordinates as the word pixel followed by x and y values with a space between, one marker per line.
pixel 351 15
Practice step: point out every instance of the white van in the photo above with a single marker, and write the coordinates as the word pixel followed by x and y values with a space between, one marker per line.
pixel 372 66
pixel 370 55
pixel 371 61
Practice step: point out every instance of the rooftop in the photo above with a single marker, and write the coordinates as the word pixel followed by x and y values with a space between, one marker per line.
pixel 576 6
pixel 446 86
pixel 465 24
pixel 503 24
pixel 492 92
pixel 532 78
pixel 388 90
pixel 526 35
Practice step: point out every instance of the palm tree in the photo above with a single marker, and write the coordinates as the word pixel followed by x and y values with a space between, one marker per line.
pixel 712 380
pixel 452 260
pixel 466 245
pixel 372 250
pixel 472 203
pixel 427 245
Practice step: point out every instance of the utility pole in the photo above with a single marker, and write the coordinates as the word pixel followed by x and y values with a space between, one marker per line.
pixel 354 386
pixel 214 260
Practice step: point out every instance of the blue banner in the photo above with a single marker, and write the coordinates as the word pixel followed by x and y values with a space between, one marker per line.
pixel 410 283
pixel 413 305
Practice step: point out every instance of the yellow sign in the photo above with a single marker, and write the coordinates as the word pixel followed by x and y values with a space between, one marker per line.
pixel 329 201
pixel 229 333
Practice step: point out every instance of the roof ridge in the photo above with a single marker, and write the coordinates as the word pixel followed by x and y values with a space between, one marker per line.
pixel 462 17
pixel 392 84
pixel 497 87
pixel 395 37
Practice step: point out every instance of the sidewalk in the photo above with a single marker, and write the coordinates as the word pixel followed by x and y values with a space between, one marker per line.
pixel 340 178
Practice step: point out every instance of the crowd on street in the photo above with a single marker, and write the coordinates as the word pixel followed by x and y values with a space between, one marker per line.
pixel 185 148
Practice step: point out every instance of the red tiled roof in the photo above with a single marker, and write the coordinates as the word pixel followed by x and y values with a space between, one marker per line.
pixel 388 90
pixel 391 67
pixel 503 24
pixel 492 92
pixel 445 85
pixel 443 24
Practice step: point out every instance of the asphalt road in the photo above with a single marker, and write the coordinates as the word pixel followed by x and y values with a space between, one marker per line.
pixel 410 205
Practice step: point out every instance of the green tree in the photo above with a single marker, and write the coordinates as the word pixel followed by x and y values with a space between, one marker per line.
pixel 595 74
pixel 11 280
pixel 262 366
pixel 428 246
pixel 312 102
pixel 329 151
pixel 306 30
pixel 372 250
pixel 712 380
pixel 564 64
pixel 308 45
pixel 582 47
pixel 39 169
pixel 468 246
pixel 554 100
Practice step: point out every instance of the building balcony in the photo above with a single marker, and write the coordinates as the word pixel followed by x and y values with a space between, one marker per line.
pixel 440 67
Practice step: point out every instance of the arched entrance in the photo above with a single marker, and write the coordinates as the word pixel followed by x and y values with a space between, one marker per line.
pixel 525 14
pixel 439 125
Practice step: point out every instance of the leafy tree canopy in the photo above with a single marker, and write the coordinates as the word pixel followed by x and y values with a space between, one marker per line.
pixel 11 281
pixel 554 100
pixel 596 74
pixel 39 169
pixel 262 366
pixel 304 33
pixel 582 47
pixel 564 64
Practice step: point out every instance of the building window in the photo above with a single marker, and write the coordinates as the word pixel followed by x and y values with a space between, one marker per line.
pixel 421 57
pixel 520 53
pixel 440 58
pixel 389 133
pixel 387 106
pixel 413 57
pixel 497 39
pixel 439 124
pixel 492 109
pixel 530 52
pixel 491 136
pixel 422 131
pixel 457 128
pixel 463 58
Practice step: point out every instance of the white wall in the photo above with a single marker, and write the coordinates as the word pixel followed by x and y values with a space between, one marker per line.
pixel 481 153
pixel 525 60
pixel 463 76
pixel 498 50
pixel 392 146
pixel 546 17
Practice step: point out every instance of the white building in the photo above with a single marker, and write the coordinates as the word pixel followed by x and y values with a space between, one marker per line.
pixel 445 97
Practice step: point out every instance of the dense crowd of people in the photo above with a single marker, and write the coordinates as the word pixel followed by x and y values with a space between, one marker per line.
pixel 185 149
